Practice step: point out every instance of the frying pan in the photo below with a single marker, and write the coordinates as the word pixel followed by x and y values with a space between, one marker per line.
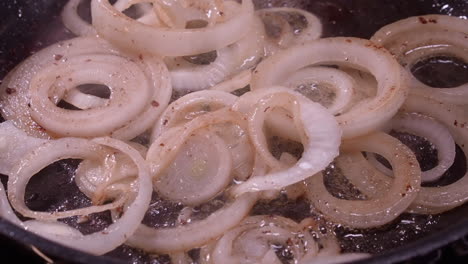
pixel 26 26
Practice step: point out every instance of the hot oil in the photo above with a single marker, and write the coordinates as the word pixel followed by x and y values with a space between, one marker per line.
pixel 37 25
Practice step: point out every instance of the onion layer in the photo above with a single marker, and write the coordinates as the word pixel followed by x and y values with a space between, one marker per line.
pixel 130 34
pixel 363 118
pixel 380 210
pixel 436 34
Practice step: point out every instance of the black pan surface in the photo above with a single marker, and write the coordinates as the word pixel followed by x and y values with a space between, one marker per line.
pixel 30 25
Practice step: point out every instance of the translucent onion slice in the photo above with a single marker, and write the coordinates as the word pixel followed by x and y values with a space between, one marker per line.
pixel 363 175
pixel 194 234
pixel 434 200
pixel 201 170
pixel 431 130
pixel 253 241
pixel 165 148
pixel 290 37
pixel 341 83
pixel 321 143
pixel 436 34
pixel 73 22
pixel 353 52
pixel 189 107
pixel 14 91
pixel 18 91
pixel 14 144
pixel 130 34
pixel 117 233
pixel 383 209
pixel 238 56
pixel 109 70
pixel 108 177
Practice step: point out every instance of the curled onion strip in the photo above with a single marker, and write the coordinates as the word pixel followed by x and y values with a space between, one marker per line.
pixel 252 241
pixel 433 131
pixel 321 143
pixel 363 118
pixel 380 210
pixel 436 34
pixel 130 34
pixel 118 232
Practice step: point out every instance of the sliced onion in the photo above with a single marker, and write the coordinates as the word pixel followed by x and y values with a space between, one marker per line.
pixel 431 130
pixel 201 170
pixel 14 91
pixel 380 210
pixel 363 118
pixel 109 70
pixel 241 55
pixel 130 34
pixel 118 232
pixel 362 175
pixel 108 177
pixel 58 69
pixel 252 240
pixel 434 200
pixel 436 34
pixel 321 143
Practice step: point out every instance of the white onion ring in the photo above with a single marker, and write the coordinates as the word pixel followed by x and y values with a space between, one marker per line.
pixel 15 92
pixel 238 56
pixel 380 210
pixel 118 232
pixel 436 34
pixel 129 34
pixel 433 131
pixel 355 52
pixel 434 200
pixel 103 69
